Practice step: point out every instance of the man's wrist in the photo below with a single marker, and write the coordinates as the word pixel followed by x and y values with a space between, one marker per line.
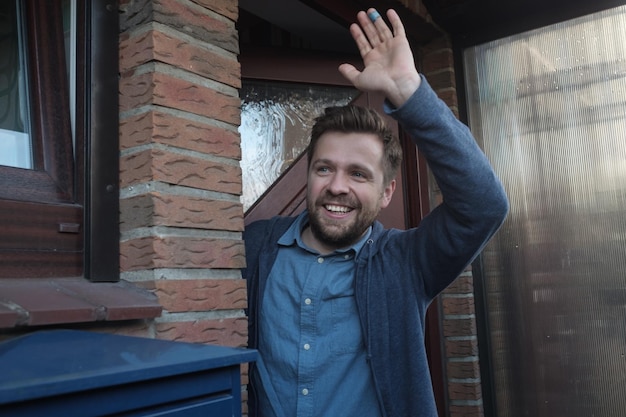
pixel 404 89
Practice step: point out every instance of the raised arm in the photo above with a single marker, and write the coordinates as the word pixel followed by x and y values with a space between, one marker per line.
pixel 474 202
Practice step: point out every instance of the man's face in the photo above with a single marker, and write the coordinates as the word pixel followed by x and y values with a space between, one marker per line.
pixel 345 190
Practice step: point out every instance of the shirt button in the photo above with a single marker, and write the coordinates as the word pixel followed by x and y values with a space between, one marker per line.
pixel 305 392
pixel 320 260
pixel 346 256
pixel 307 346
pixel 307 301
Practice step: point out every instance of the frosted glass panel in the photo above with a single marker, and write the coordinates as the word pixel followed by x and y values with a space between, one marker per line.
pixel 276 119
pixel 549 109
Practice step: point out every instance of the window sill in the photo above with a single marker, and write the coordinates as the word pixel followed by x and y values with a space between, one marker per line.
pixel 41 302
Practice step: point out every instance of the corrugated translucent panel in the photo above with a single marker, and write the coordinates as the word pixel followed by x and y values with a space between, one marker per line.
pixel 276 119
pixel 549 109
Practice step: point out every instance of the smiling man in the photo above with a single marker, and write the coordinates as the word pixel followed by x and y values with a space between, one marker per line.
pixel 347 181
pixel 336 302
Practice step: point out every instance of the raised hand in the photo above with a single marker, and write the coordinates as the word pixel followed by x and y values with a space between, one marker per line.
pixel 389 64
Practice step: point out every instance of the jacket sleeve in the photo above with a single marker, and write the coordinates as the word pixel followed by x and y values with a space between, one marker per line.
pixel 474 202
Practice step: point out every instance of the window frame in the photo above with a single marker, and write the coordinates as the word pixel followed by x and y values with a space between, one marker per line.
pixel 60 219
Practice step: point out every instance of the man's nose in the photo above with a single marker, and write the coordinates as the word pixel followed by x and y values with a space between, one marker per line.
pixel 338 184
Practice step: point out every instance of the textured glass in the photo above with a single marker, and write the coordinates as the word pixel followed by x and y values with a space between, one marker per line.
pixel 15 146
pixel 549 109
pixel 275 122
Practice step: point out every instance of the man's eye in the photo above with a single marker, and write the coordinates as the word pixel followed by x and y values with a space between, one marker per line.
pixel 358 174
pixel 322 170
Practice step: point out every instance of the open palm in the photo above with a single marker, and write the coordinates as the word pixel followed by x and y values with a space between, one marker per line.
pixel 389 66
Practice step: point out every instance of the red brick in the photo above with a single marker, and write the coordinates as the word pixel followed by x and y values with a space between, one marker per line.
pixel 442 80
pixel 461 348
pixel 164 90
pixel 187 18
pixel 437 60
pixel 201 294
pixel 459 327
pixel 202 26
pixel 136 212
pixel 462 285
pixel 135 50
pixel 436 45
pixel 244 373
pixel 179 169
pixel 157 46
pixel 466 410
pixel 458 305
pixel 227 8
pixel 181 252
pixel 463 370
pixel 156 209
pixel 468 391
pixel 225 332
pixel 162 128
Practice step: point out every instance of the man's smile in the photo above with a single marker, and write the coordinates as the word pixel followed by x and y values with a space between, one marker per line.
pixel 337 209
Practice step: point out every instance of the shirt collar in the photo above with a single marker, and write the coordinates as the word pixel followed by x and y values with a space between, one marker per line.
pixel 293 236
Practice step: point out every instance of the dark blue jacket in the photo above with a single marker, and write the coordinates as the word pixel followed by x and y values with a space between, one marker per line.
pixel 399 272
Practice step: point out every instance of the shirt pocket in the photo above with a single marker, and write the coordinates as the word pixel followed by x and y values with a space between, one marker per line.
pixel 346 336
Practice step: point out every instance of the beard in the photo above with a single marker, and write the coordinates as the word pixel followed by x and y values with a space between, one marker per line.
pixel 338 233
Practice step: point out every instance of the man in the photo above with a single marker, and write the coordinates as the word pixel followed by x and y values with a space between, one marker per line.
pixel 336 302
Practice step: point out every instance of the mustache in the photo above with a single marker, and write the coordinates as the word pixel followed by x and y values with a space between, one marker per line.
pixel 338 201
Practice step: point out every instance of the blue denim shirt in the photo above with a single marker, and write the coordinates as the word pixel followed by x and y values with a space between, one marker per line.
pixel 312 356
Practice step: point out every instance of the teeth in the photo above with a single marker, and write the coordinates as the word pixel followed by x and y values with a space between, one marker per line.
pixel 338 209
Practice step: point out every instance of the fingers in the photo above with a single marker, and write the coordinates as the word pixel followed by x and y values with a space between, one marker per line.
pixel 349 72
pixel 362 43
pixel 374 27
pixel 371 29
pixel 396 23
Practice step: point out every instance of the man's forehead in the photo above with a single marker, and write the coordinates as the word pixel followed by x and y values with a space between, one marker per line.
pixel 352 149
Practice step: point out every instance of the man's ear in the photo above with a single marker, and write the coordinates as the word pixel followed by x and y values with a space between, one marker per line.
pixel 387 194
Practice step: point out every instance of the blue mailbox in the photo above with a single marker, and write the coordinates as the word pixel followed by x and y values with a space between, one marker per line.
pixel 69 373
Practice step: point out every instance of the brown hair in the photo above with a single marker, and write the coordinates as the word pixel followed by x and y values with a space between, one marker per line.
pixel 355 119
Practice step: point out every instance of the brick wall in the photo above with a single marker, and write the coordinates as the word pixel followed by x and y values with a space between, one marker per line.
pixel 180 180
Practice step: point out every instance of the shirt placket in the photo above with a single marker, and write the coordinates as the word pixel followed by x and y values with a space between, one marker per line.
pixel 307 345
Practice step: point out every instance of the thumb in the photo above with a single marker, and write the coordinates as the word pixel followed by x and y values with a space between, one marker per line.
pixel 350 72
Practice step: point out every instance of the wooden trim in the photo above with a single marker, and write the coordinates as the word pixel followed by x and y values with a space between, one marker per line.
pixel 417 28
pixel 288 194
pixel 279 64
pixel 50 120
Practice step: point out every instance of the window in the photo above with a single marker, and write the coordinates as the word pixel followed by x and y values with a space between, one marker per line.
pixel 58 109
pixel 548 107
